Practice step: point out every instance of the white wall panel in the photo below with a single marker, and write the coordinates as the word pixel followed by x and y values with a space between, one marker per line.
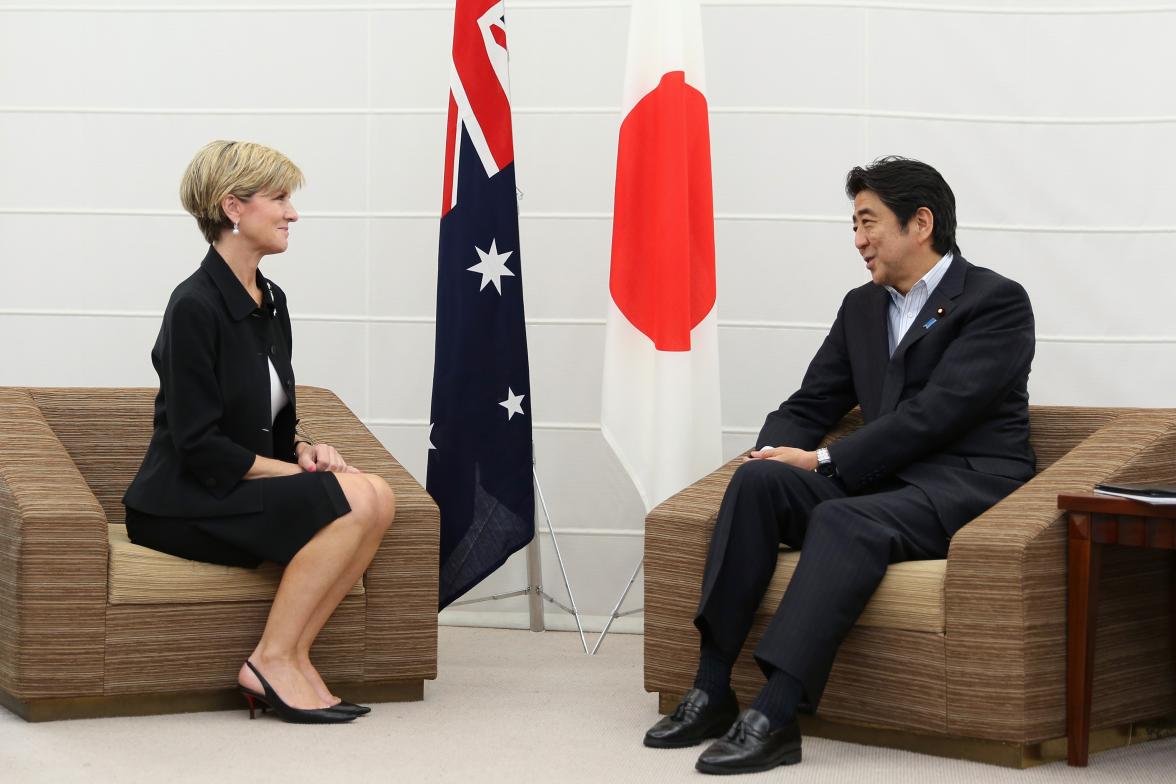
pixel 1086 285
pixel 1055 123
pixel 406 69
pixel 86 351
pixel 1100 374
pixel 786 55
pixel 409 444
pixel 783 164
pixel 573 57
pixel 968 64
pixel 761 367
pixel 583 481
pixel 92 265
pixel 401 371
pixel 99 262
pixel 566 366
pixel 324 271
pixel 737 443
pixel 566 264
pixel 1051 175
pixel 566 163
pixel 407 157
pixel 1015 65
pixel 1100 65
pixel 785 271
pixel 233 59
pixel 403 267
pixel 334 356
pixel 90 161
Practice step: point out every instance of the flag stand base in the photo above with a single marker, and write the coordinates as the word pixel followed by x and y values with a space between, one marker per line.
pixel 616 607
pixel 534 590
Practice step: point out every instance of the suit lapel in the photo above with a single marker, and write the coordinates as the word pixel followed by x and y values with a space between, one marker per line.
pixel 938 308
pixel 878 349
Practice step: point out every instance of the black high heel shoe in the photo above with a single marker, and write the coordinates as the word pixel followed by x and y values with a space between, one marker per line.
pixel 255 700
pixel 284 712
pixel 343 706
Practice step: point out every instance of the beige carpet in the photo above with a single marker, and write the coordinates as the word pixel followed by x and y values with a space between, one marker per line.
pixel 509 706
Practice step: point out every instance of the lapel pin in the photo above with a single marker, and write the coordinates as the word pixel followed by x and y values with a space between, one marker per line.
pixel 939 311
pixel 929 323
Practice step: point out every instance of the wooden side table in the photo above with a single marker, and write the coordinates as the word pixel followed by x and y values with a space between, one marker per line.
pixel 1094 521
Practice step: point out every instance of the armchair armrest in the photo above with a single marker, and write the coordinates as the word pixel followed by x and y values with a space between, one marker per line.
pixel 677 535
pixel 1005 587
pixel 53 562
pixel 401 583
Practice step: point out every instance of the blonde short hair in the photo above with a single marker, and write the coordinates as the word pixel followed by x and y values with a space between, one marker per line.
pixel 241 169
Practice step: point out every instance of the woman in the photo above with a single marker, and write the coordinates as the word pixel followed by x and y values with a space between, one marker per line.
pixel 225 479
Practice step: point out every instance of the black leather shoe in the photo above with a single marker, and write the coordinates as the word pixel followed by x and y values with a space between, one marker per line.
pixel 751 746
pixel 694 720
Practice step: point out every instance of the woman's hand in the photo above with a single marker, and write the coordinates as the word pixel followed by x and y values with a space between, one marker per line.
pixel 322 457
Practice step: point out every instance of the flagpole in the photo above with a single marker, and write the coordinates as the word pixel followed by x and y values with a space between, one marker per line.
pixel 614 614
pixel 562 569
pixel 535 580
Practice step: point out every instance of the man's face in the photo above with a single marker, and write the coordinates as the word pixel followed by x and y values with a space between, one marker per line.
pixel 888 249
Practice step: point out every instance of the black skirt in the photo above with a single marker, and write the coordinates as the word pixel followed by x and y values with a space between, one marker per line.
pixel 295 509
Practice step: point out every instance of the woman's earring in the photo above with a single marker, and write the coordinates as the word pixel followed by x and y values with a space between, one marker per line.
pixel 235 229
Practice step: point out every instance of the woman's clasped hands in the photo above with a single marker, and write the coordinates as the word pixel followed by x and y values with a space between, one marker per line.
pixel 322 457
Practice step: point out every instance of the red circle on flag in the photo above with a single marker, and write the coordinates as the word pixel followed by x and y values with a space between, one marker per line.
pixel 663 252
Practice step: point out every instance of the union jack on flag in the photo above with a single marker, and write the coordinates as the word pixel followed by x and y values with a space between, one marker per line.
pixel 480 427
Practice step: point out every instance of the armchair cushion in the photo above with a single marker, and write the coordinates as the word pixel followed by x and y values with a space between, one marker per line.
pixel 909 597
pixel 140 575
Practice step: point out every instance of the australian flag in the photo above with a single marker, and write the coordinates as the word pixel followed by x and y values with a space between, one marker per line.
pixel 480 431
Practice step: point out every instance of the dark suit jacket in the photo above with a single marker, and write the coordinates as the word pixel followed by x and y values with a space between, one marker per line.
pixel 212 413
pixel 949 412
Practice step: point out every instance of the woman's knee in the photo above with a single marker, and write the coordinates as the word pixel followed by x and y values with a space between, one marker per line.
pixel 361 497
pixel 384 499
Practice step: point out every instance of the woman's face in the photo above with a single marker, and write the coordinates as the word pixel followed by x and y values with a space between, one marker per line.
pixel 265 219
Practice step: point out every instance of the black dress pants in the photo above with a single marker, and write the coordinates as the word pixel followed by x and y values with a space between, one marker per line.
pixel 846 542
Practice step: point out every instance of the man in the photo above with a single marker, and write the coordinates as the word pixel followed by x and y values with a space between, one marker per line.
pixel 937 354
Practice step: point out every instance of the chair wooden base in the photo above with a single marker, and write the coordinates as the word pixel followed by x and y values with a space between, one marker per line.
pixel 1007 754
pixel 55 708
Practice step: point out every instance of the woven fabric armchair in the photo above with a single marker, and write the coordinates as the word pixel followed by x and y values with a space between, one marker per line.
pixel 92 625
pixel 965 656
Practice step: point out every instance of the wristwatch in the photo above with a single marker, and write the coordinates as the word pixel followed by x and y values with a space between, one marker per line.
pixel 825 466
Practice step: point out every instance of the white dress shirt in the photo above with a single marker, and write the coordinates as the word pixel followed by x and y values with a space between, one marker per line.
pixel 903 309
pixel 278 397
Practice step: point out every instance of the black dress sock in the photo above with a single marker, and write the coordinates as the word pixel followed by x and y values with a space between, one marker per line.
pixel 714 672
pixel 779 698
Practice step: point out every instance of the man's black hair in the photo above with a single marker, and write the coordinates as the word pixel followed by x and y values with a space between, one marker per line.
pixel 904 185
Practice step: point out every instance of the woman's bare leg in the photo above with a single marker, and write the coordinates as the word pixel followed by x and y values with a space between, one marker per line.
pixel 309 576
pixel 386 510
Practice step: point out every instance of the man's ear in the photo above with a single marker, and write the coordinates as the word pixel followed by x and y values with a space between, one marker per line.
pixel 923 223
pixel 231 206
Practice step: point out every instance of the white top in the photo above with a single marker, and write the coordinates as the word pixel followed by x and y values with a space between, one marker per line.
pixel 903 309
pixel 278 399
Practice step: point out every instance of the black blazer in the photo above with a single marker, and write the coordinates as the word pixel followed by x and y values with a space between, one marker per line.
pixel 212 413
pixel 949 412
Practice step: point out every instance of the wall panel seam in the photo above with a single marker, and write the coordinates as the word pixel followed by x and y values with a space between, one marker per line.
pixel 722 217
pixel 610 111
pixel 339 318
pixel 306 8
pixel 565 5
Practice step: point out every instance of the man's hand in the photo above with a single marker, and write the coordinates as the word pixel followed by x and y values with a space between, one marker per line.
pixel 786 454
pixel 323 457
